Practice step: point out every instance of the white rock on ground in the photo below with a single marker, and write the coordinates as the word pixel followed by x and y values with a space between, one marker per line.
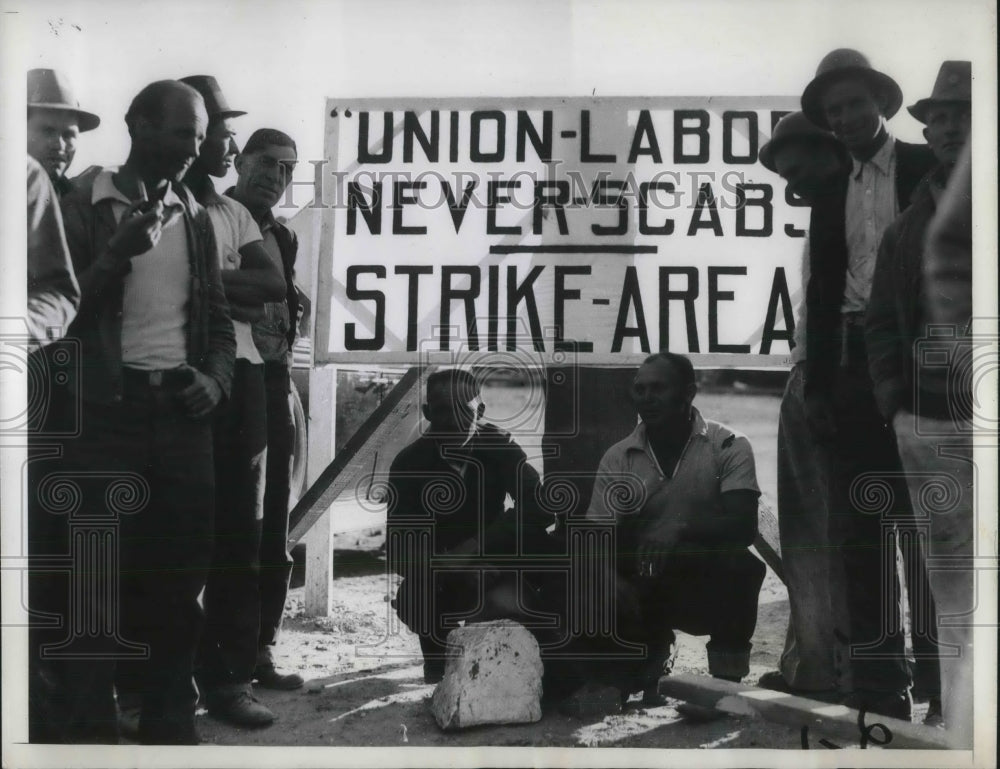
pixel 493 675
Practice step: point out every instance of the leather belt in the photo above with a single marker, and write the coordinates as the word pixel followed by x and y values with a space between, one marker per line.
pixel 172 378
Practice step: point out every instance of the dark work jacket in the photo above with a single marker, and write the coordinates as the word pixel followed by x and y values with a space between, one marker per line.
pixel 425 489
pixel 288 245
pixel 211 343
pixel 828 265
pixel 895 317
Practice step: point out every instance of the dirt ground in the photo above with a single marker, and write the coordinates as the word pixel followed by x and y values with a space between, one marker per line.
pixel 364 685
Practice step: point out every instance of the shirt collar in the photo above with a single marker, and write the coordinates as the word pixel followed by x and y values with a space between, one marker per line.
pixel 637 440
pixel 881 160
pixel 266 222
pixel 105 189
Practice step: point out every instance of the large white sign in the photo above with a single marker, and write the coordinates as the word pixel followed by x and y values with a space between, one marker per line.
pixel 592 230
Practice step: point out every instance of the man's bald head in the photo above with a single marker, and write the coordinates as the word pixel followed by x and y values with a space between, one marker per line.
pixel 151 102
pixel 167 121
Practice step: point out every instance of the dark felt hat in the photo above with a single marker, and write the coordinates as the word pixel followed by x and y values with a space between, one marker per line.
pixel 215 102
pixel 841 63
pixel 791 127
pixel 48 89
pixel 953 84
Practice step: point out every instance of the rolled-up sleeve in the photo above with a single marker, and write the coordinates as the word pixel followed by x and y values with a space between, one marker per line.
pixel 737 469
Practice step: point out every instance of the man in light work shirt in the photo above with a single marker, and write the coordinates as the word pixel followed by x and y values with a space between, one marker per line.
pixel 682 538
pixel 853 100
pixel 227 654
pixel 264 169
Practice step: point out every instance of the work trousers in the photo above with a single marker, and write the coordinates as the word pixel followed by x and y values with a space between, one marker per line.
pixel 701 593
pixel 137 490
pixel 275 561
pixel 937 456
pixel 869 508
pixel 815 654
pixel 228 649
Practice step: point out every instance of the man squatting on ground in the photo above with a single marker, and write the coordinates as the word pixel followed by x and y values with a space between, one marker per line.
pixel 681 540
pixel 896 322
pixel 155 331
pixel 853 100
pixel 453 483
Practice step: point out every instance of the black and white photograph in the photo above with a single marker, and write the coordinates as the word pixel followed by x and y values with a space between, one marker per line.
pixel 570 383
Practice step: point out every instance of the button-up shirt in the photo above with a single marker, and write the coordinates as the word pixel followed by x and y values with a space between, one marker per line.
pixel 632 490
pixel 870 208
pixel 270 334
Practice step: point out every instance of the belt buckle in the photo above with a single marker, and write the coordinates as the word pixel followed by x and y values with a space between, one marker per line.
pixel 156 378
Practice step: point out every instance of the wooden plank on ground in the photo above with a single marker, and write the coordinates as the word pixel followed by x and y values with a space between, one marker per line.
pixel 767 544
pixel 839 723
pixel 355 458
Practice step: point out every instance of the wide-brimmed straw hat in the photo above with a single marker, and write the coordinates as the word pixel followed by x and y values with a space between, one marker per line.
pixel 953 84
pixel 846 62
pixel 49 90
pixel 215 102
pixel 791 127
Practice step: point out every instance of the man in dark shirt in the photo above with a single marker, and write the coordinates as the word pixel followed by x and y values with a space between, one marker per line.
pixel 459 494
pixel 895 324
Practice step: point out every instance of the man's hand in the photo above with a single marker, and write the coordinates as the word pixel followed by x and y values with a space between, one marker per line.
pixel 201 396
pixel 819 415
pixel 654 551
pixel 137 232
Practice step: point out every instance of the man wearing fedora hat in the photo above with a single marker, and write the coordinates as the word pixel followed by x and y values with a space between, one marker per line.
pixel 812 162
pixel 895 321
pixel 853 100
pixel 227 654
pixel 55 122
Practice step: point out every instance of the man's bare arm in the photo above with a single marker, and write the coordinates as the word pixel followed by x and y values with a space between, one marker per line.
pixel 258 280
